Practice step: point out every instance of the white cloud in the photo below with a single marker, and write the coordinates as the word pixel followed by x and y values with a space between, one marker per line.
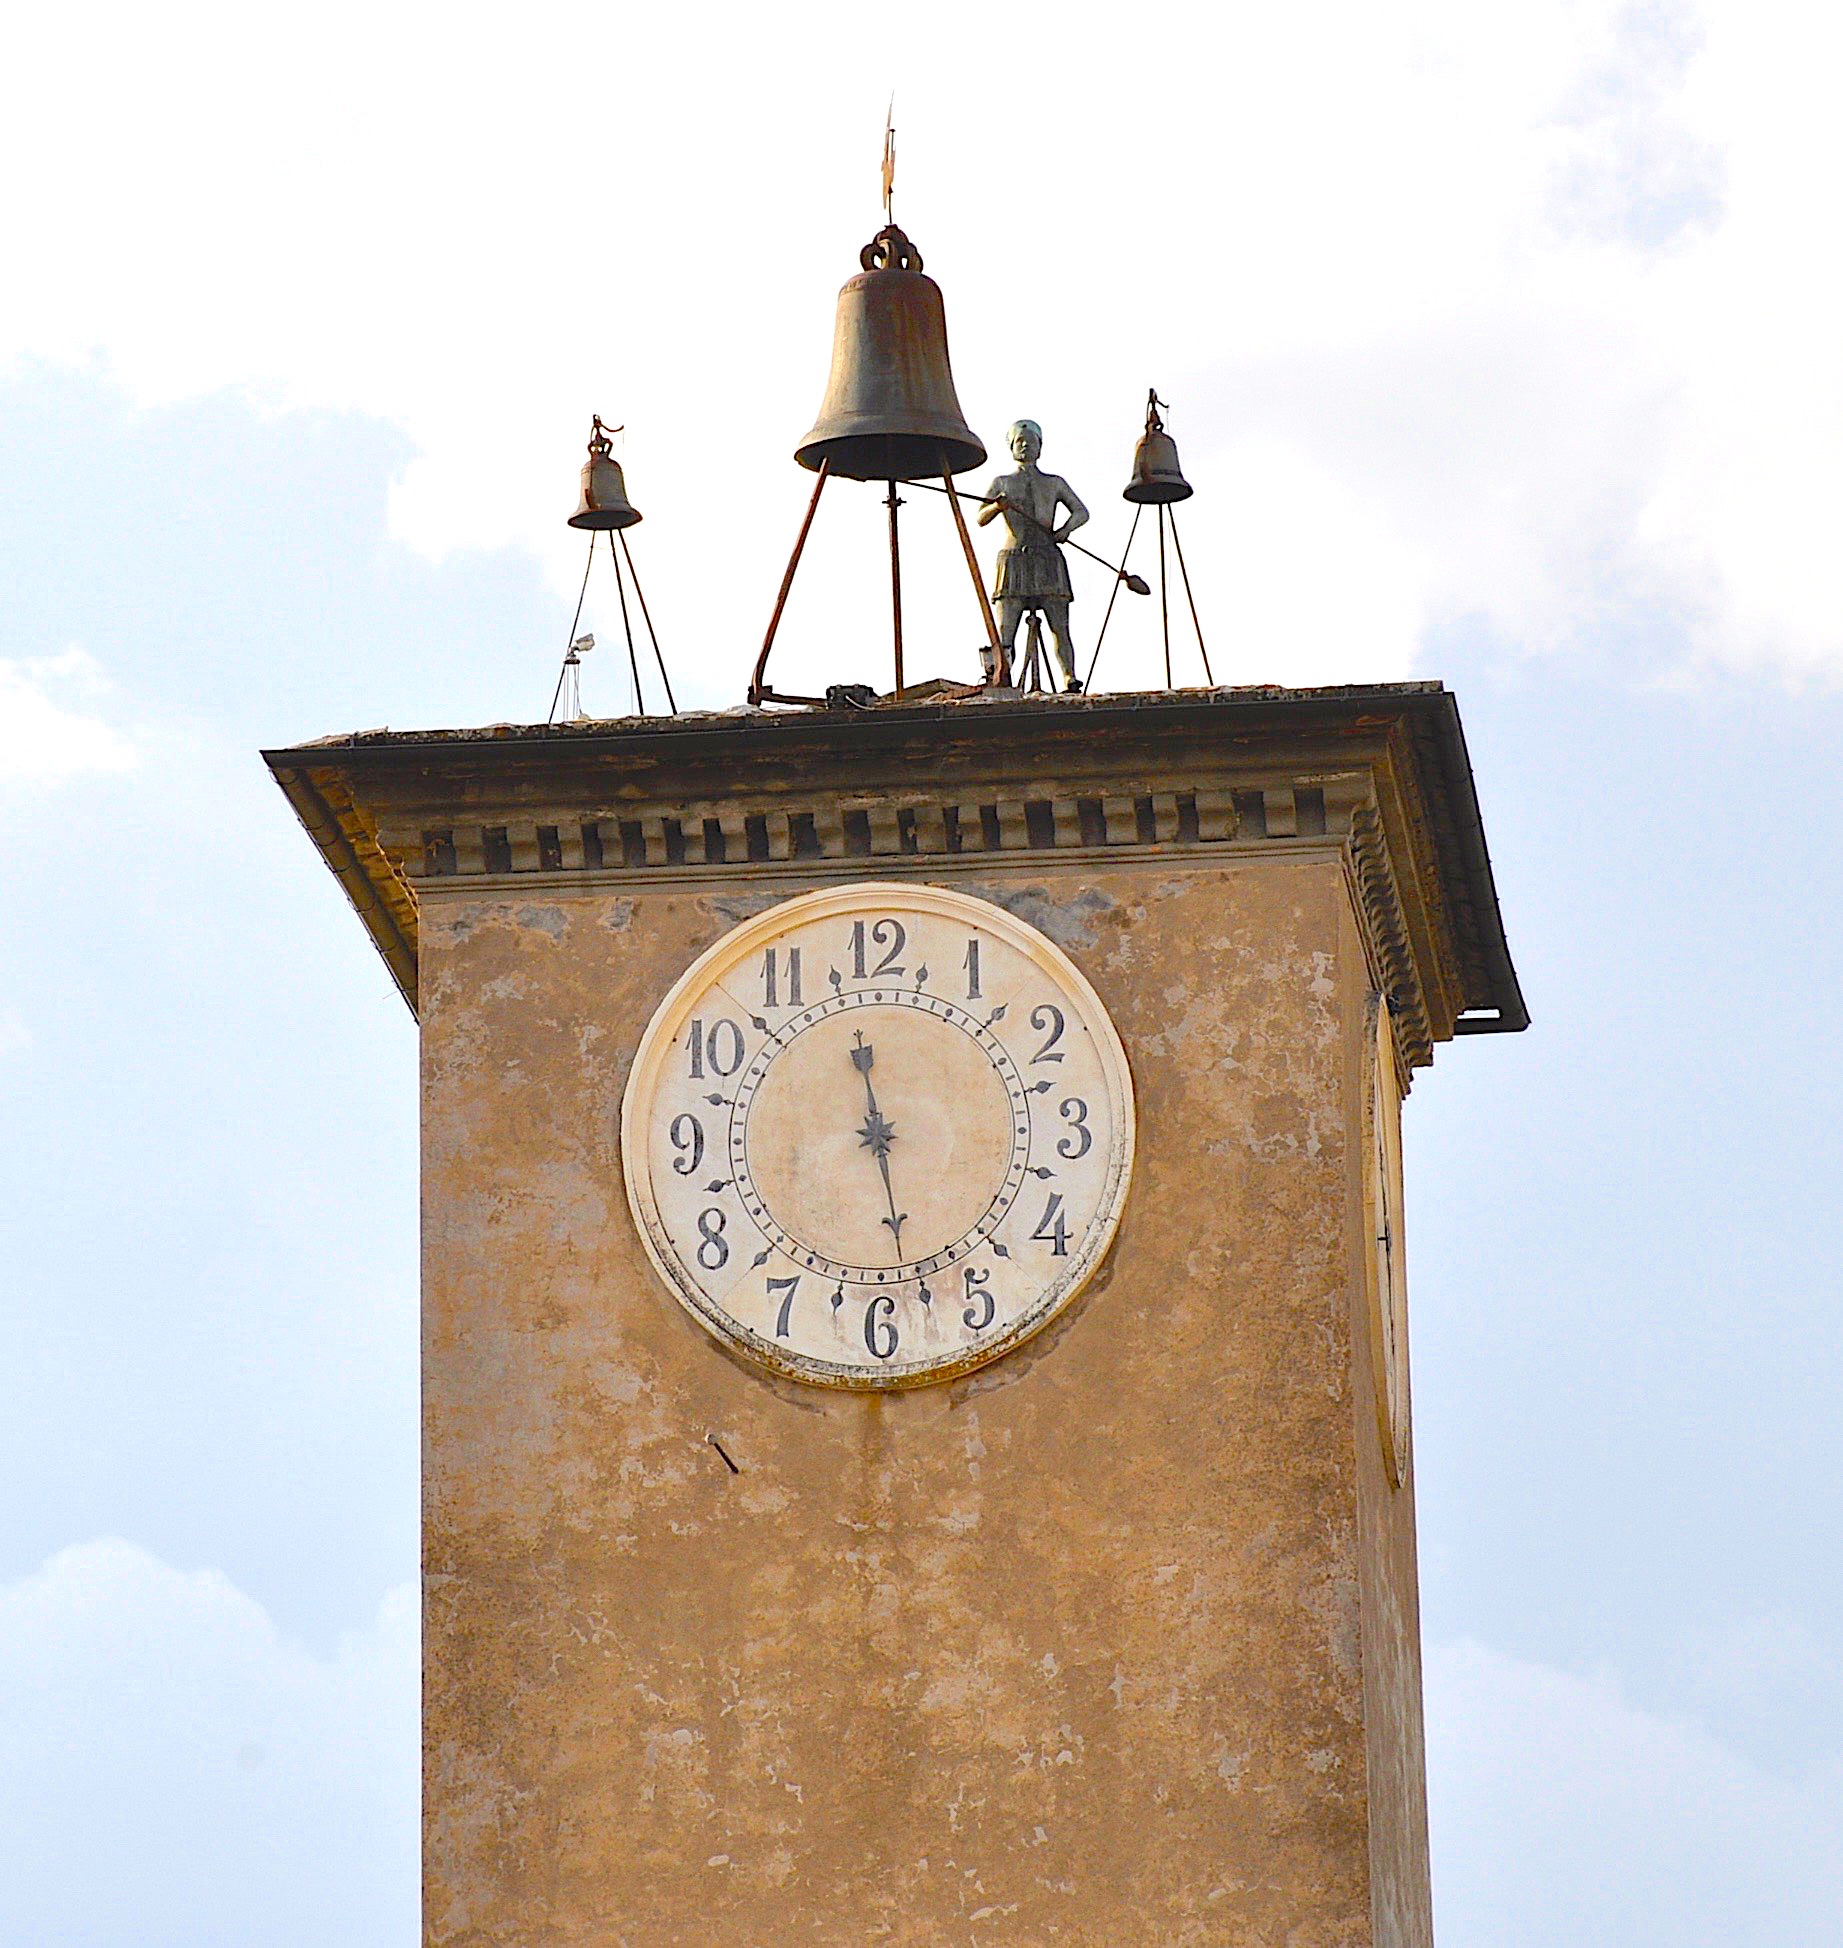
pixel 46 732
pixel 1564 1812
pixel 174 1773
pixel 1536 298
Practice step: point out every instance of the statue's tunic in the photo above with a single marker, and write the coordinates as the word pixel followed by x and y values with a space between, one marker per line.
pixel 1030 565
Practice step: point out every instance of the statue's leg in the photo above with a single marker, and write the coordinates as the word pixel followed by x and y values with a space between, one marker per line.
pixel 1056 613
pixel 1010 614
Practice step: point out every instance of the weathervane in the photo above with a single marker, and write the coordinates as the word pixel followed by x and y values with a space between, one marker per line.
pixel 603 508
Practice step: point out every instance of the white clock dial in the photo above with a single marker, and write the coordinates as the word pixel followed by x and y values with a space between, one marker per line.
pixel 878 1135
pixel 1386 1258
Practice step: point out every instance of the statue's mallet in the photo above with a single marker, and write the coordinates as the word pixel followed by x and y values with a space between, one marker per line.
pixel 1137 583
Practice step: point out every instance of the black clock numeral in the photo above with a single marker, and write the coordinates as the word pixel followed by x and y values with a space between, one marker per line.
pixel 1047 1015
pixel 789 1286
pixel 880 1327
pixel 981 1306
pixel 1056 1236
pixel 972 969
pixel 723 1047
pixel 687 1134
pixel 892 931
pixel 710 1231
pixel 771 978
pixel 1075 1114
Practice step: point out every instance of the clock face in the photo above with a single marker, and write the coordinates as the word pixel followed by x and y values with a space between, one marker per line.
pixel 1387 1259
pixel 878 1135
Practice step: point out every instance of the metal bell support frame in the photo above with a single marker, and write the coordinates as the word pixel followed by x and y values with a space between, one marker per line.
pixel 603 508
pixel 1157 481
pixel 890 413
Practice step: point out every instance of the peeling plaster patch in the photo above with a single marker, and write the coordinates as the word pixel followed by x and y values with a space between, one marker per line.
pixel 549 920
pixel 458 922
pixel 617 915
pixel 1069 923
pixel 737 907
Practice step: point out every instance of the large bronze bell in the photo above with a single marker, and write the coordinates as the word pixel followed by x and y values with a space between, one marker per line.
pixel 890 412
pixel 604 502
pixel 1157 479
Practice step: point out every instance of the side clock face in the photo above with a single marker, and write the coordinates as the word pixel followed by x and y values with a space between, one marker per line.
pixel 878 1135
pixel 1387 1263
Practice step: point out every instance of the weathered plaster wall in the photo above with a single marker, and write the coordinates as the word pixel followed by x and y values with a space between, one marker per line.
pixel 1069 1651
pixel 1389 1572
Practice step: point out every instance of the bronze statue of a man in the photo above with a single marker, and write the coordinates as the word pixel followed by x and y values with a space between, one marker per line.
pixel 1031 571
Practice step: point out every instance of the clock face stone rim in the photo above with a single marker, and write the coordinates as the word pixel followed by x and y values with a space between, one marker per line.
pixel 733 950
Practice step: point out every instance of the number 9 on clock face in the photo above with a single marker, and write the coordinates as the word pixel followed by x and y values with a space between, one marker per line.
pixel 878 1135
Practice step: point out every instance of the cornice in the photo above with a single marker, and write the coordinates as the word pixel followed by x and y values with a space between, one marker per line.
pixel 1188 777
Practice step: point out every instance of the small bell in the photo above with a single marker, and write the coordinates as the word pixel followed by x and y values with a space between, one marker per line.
pixel 604 502
pixel 1157 478
pixel 890 411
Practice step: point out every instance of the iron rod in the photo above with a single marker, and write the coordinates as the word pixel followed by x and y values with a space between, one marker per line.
pixel 671 701
pixel 1001 663
pixel 1113 595
pixel 1208 674
pixel 633 660
pixel 1012 507
pixel 1164 594
pixel 896 584
pixel 787 582
pixel 581 593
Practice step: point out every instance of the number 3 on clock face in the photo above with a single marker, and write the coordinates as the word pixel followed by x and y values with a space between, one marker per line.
pixel 878 1135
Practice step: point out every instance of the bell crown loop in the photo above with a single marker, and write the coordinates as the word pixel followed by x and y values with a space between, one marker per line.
pixel 890 250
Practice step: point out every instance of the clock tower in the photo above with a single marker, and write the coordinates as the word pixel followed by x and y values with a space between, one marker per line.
pixel 915 1405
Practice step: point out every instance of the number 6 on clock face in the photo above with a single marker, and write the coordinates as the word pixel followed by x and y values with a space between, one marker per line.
pixel 878 1135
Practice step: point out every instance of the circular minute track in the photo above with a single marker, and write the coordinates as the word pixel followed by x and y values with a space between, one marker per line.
pixel 882 1135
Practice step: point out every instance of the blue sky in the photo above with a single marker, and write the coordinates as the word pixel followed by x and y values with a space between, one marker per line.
pixel 1507 361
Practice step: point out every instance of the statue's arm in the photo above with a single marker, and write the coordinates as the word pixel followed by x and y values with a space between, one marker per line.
pixel 994 494
pixel 1067 497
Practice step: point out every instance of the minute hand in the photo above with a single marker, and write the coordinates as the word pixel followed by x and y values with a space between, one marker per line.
pixel 877 1135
